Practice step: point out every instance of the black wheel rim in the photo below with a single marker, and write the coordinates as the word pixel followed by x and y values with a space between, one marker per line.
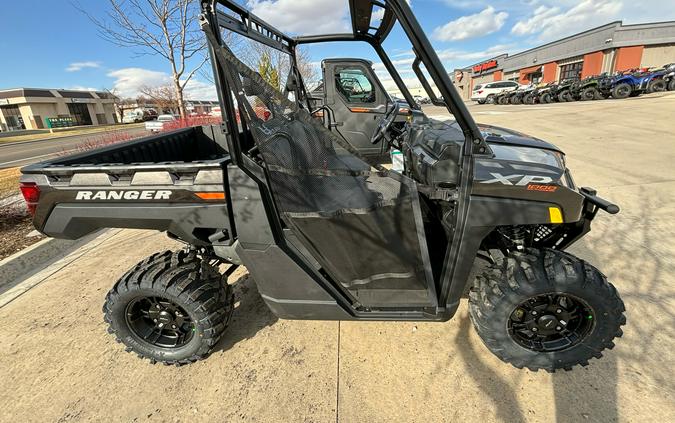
pixel 159 322
pixel 551 322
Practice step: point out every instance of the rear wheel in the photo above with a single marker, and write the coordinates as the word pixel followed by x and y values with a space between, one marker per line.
pixel 671 85
pixel 528 99
pixel 516 99
pixel 480 101
pixel 621 91
pixel 545 98
pixel 171 307
pixel 589 93
pixel 545 309
pixel 657 85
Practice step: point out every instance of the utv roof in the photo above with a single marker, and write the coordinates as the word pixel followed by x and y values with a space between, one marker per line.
pixel 361 13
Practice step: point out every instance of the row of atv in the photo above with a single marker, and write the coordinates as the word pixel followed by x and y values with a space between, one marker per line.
pixel 598 87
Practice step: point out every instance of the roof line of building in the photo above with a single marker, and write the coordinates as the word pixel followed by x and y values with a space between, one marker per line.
pixel 647 23
pixel 569 37
pixel 49 89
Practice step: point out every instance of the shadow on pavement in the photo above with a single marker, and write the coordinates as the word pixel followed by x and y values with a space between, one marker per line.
pixel 498 389
pixel 251 314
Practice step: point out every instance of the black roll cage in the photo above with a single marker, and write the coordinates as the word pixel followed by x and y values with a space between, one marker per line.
pixel 247 24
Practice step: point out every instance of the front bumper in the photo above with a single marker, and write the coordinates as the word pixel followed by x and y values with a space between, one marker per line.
pixel 571 232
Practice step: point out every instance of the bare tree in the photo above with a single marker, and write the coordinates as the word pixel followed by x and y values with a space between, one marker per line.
pixel 163 96
pixel 167 28
pixel 120 104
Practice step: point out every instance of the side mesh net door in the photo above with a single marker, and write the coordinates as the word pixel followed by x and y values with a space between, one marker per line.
pixel 362 224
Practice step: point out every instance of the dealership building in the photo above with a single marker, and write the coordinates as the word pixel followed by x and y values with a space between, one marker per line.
pixel 608 48
pixel 38 108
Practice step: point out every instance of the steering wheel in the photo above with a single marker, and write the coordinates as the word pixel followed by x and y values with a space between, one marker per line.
pixel 385 123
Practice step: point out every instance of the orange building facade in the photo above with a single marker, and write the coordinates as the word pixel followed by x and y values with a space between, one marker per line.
pixel 610 48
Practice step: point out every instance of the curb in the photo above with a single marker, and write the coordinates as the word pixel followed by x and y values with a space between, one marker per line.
pixel 31 260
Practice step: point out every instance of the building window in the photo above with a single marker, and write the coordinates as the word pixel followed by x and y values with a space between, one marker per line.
pixel 535 77
pixel 13 117
pixel 80 113
pixel 571 71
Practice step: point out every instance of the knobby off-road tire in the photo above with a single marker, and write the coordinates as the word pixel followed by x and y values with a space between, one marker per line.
pixel 565 97
pixel 181 284
pixel 657 85
pixel 622 91
pixel 503 287
pixel 671 85
pixel 589 94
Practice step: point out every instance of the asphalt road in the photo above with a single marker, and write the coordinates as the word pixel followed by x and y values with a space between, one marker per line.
pixel 27 152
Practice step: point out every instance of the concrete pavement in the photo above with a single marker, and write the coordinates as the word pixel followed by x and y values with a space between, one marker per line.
pixel 57 363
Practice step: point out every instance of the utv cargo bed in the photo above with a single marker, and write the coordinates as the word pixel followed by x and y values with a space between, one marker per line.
pixel 159 182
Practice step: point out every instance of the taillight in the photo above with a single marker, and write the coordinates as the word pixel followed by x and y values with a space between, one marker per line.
pixel 31 193
pixel 480 91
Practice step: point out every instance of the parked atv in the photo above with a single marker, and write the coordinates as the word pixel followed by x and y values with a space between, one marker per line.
pixel 516 96
pixel 587 89
pixel 328 234
pixel 562 91
pixel 635 83
pixel 544 94
pixel 503 98
pixel 525 95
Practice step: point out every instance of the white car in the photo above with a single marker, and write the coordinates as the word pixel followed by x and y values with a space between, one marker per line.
pixel 484 93
pixel 158 125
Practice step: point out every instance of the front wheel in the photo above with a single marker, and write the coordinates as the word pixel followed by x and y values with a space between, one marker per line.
pixel 622 90
pixel 170 308
pixel 565 96
pixel 545 309
pixel 671 85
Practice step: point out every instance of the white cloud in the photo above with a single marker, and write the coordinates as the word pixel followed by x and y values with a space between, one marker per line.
pixel 78 66
pixel 551 22
pixel 82 88
pixel 462 56
pixel 304 16
pixel 129 81
pixel 472 26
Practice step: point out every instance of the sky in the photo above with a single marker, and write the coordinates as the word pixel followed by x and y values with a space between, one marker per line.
pixel 52 44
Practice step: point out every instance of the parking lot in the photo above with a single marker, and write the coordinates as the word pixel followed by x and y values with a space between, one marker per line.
pixel 57 363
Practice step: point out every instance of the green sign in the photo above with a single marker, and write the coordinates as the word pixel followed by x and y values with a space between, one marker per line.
pixel 60 122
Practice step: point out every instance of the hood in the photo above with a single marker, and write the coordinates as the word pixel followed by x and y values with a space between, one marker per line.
pixel 498 135
pixel 492 135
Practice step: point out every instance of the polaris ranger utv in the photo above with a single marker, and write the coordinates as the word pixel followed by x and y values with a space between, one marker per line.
pixel 324 233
